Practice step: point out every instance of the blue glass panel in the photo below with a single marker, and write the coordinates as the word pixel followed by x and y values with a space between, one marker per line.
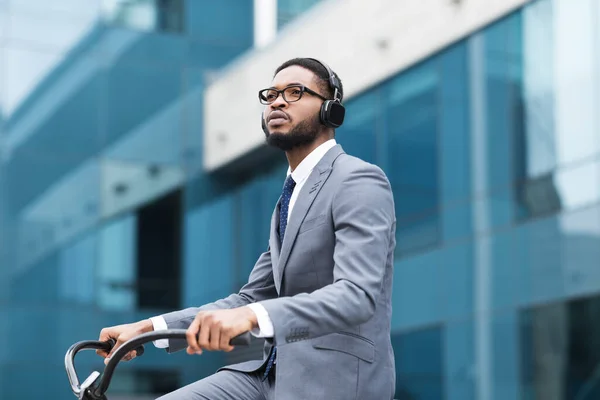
pixel 539 148
pixel 455 146
pixel 51 111
pixel 77 276
pixel 116 271
pixel 504 120
pixel 72 8
pixel 192 120
pixel 226 21
pixel 416 295
pixel 208 255
pixel 505 357
pixel 411 102
pixel 361 131
pixel 288 10
pixel 459 359
pixel 456 281
pixel 506 275
pixel 580 251
pixel 137 93
pixel 558 357
pixel 576 79
pixel 47 210
pixel 212 55
pixel 256 202
pixel 419 364
pixel 544 254
pixel 151 48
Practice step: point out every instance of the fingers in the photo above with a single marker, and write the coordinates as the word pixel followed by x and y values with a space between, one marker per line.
pixel 192 336
pixel 213 330
pixel 215 336
pixel 224 342
pixel 105 334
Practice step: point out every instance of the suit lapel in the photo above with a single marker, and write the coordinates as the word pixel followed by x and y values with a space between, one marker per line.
pixel 274 244
pixel 305 198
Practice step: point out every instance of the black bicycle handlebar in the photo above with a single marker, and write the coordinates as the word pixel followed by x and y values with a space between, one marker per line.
pixel 88 390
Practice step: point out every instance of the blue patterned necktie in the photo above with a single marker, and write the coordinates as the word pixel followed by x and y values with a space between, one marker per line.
pixel 286 195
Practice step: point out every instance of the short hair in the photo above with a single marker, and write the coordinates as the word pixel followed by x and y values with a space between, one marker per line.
pixel 320 72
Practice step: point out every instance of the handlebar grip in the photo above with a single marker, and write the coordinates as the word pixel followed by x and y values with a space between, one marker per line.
pixel 241 340
pixel 138 350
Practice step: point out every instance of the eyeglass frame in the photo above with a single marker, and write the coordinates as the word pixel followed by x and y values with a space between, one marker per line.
pixel 302 88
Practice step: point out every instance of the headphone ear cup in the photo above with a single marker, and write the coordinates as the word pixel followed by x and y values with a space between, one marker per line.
pixel 332 114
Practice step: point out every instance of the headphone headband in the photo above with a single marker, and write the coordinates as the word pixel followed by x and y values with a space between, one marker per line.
pixel 333 82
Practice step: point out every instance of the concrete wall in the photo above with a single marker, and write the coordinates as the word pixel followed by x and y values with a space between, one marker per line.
pixel 365 42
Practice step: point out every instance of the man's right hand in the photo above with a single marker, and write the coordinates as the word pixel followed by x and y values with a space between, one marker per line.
pixel 122 333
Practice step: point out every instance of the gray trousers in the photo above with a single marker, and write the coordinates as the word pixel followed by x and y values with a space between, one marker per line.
pixel 228 385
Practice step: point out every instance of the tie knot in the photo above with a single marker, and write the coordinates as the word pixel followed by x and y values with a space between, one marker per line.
pixel 289 184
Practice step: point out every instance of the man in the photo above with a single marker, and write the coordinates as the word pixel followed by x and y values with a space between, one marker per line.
pixel 321 293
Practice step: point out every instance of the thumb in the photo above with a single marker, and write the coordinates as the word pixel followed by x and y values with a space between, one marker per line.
pixel 118 343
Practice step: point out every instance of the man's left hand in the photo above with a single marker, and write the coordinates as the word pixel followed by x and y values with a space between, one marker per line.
pixel 213 330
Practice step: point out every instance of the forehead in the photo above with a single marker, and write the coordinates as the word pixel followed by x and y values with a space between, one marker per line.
pixel 294 74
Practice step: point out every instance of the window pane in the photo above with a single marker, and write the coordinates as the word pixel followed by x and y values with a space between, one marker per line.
pixel 417 290
pixel 559 361
pixel 459 359
pixel 288 10
pixel 137 93
pixel 362 127
pixel 145 15
pixel 455 143
pixel 50 112
pixel 116 265
pixel 224 22
pixel 580 251
pixel 419 364
pixel 411 102
pixel 208 268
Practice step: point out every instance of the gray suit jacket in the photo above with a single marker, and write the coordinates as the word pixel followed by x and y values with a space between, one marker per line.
pixel 328 288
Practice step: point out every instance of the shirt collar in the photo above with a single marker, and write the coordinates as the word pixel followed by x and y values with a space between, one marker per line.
pixel 310 161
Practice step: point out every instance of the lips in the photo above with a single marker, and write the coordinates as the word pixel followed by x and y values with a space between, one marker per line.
pixel 277 118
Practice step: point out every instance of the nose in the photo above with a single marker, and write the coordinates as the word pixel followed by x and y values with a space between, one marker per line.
pixel 278 103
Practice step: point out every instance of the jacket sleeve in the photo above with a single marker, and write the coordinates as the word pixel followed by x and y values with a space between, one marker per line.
pixel 364 223
pixel 260 286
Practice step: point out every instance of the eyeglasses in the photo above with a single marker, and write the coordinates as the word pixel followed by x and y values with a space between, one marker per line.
pixel 290 94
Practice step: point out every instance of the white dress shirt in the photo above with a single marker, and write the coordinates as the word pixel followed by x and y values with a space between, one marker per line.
pixel 300 175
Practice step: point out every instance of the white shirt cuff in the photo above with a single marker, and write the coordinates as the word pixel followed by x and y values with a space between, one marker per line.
pixel 265 325
pixel 160 324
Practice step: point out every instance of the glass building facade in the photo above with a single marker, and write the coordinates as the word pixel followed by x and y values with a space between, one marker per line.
pixel 492 147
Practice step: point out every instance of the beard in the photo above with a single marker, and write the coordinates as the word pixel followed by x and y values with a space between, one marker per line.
pixel 300 135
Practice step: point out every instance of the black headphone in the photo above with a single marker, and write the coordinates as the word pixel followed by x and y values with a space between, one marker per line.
pixel 332 111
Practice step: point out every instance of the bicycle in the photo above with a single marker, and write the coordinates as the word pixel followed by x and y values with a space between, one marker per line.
pixel 89 389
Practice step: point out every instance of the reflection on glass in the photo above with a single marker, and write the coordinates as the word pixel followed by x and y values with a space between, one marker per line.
pixel 560 83
pixel 288 10
pixel 67 208
pixel 77 262
pixel 581 250
pixel 565 189
pixel 419 365
pixel 576 79
pixel 560 357
pixel 55 8
pixel 412 107
pixel 538 82
pixel 358 134
pixel 116 265
pixel 145 15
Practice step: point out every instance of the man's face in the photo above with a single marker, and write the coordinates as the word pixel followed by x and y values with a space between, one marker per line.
pixel 296 123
